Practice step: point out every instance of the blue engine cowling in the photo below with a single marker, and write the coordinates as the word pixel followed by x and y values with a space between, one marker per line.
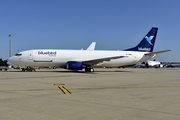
pixel 74 65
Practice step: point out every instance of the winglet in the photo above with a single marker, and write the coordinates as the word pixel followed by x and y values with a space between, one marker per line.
pixel 92 46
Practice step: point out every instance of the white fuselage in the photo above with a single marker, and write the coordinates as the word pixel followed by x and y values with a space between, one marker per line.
pixel 59 58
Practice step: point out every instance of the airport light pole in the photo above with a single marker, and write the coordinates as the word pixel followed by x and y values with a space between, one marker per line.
pixel 9 45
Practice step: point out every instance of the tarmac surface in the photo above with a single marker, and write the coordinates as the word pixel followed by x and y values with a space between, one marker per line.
pixel 106 94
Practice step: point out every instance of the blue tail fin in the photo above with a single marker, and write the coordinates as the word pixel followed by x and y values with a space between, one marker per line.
pixel 147 43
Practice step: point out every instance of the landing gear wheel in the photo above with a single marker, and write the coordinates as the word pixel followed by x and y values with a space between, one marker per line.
pixel 89 70
pixel 28 69
pixel 86 69
pixel 23 70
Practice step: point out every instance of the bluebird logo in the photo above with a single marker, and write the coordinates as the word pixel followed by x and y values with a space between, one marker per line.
pixel 148 39
pixel 50 53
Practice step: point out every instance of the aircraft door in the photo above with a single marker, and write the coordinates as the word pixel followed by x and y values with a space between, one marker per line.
pixel 30 57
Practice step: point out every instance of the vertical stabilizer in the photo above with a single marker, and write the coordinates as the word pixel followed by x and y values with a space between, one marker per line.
pixel 147 43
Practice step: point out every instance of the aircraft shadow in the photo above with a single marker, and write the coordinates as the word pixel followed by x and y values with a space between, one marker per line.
pixel 72 71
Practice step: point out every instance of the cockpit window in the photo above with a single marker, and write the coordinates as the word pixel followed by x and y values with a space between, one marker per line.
pixel 18 54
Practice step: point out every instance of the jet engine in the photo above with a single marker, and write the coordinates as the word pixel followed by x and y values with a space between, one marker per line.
pixel 74 65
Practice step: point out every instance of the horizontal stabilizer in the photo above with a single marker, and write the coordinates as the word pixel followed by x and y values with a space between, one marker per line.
pixel 158 52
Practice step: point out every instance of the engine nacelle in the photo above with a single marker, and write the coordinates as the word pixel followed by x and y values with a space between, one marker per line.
pixel 74 65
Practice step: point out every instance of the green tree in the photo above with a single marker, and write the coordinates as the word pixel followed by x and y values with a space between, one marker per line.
pixel 3 62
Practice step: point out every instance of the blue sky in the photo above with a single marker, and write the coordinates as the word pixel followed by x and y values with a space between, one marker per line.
pixel 74 24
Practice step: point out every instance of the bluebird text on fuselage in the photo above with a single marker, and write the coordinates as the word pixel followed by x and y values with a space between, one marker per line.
pixel 50 53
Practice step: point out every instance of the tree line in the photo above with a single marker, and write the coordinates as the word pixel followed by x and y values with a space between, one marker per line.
pixel 3 62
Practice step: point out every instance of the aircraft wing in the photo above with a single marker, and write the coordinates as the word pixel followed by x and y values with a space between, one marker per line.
pixel 158 52
pixel 96 61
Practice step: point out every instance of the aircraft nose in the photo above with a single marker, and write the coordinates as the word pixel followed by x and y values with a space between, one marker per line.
pixel 11 60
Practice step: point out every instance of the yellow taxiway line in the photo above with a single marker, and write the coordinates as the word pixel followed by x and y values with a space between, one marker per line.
pixel 64 90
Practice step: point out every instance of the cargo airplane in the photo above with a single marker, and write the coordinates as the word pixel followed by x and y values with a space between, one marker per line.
pixel 87 59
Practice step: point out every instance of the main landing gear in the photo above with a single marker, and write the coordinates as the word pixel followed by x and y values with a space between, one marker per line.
pixel 28 69
pixel 87 69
